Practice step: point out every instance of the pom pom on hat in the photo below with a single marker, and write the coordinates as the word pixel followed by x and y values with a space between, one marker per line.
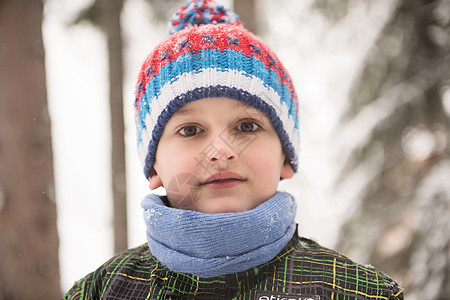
pixel 209 54
pixel 200 12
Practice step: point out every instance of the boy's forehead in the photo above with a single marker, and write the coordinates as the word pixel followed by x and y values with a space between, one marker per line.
pixel 204 105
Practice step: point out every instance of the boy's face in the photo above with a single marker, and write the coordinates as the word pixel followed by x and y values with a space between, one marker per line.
pixel 219 155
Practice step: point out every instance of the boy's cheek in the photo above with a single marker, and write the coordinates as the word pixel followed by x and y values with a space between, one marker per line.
pixel 175 168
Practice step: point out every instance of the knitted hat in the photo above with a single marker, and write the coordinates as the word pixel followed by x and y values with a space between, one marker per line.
pixel 209 54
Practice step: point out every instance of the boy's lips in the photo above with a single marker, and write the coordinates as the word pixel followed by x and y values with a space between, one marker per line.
pixel 223 180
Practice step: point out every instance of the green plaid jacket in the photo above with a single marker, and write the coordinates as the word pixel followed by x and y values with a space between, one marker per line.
pixel 303 270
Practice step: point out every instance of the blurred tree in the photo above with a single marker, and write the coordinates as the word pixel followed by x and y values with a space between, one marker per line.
pixel 29 266
pixel 106 15
pixel 110 22
pixel 402 223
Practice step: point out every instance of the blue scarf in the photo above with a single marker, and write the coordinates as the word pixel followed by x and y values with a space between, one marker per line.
pixel 209 245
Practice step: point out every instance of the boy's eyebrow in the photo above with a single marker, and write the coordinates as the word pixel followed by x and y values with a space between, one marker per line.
pixel 186 111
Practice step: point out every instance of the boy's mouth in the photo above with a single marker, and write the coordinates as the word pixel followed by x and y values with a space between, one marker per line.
pixel 223 180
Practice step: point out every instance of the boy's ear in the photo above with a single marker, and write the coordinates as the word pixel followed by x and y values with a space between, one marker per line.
pixel 154 180
pixel 286 170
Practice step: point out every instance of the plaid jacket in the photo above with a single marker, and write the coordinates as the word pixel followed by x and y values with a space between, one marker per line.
pixel 303 270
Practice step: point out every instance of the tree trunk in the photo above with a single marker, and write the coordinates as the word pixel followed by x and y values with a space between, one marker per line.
pixel 29 267
pixel 110 21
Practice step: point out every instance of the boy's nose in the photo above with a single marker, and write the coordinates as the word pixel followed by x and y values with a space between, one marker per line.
pixel 222 152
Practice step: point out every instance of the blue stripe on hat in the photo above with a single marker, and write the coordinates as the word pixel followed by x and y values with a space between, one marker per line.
pixel 222 61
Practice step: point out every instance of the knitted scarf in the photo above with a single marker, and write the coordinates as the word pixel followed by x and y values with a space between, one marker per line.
pixel 209 245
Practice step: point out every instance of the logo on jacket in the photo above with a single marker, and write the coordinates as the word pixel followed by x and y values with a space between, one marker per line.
pixel 269 295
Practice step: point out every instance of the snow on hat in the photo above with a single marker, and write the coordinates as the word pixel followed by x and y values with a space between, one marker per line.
pixel 209 54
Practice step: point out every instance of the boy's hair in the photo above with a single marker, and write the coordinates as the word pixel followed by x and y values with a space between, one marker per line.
pixel 210 54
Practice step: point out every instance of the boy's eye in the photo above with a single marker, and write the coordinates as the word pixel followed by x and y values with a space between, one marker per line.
pixel 189 130
pixel 247 126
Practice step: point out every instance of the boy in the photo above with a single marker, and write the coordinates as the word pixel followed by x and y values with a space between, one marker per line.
pixel 217 126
